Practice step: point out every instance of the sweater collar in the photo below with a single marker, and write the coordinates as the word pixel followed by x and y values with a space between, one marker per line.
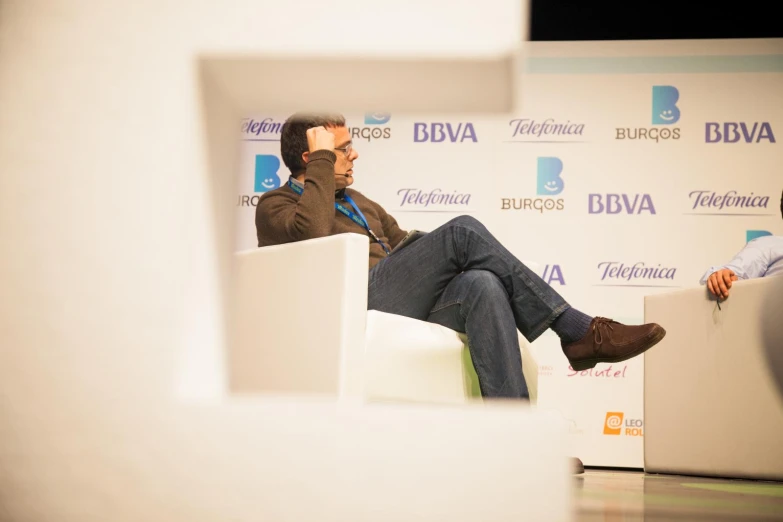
pixel 296 182
pixel 339 194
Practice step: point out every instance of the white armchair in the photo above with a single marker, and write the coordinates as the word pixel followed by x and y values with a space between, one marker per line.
pixel 300 324
pixel 713 388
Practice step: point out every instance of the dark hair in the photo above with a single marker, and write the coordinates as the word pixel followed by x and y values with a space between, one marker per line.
pixel 293 136
pixel 781 204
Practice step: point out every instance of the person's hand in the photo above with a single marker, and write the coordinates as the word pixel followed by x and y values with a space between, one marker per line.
pixel 318 138
pixel 719 282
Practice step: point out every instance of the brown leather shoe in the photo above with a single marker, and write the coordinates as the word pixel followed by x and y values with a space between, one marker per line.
pixel 577 468
pixel 608 341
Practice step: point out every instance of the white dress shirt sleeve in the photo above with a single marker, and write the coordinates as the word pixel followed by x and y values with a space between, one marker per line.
pixel 751 262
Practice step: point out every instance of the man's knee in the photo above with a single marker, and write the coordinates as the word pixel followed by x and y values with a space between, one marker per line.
pixel 465 221
pixel 485 284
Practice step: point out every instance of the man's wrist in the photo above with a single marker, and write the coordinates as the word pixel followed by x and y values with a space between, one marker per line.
pixel 320 168
pixel 322 154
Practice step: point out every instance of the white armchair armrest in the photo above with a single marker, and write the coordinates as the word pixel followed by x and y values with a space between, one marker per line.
pixel 713 388
pixel 298 316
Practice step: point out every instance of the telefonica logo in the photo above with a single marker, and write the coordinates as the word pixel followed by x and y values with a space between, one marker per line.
pixel 729 203
pixel 528 130
pixel 264 129
pixel 614 273
pixel 414 199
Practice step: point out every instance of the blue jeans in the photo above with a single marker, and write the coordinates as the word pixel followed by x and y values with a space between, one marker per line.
pixel 461 277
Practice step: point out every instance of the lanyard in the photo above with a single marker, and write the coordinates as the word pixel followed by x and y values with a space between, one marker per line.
pixel 359 220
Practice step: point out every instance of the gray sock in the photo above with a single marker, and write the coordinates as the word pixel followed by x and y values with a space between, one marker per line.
pixel 571 326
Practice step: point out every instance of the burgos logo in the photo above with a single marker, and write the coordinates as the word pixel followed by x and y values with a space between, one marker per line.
pixel 614 423
pixel 549 183
pixel 732 132
pixel 374 127
pixel 664 112
pixel 376 118
pixel 664 105
pixel 266 173
pixel 440 132
pixel 265 179
pixel 750 235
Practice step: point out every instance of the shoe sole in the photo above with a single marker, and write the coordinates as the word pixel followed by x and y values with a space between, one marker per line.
pixel 590 363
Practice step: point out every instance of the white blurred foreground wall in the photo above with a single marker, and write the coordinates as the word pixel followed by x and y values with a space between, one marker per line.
pixel 118 150
pixel 116 154
pixel 286 460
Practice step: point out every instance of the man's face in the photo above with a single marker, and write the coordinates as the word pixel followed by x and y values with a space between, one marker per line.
pixel 343 167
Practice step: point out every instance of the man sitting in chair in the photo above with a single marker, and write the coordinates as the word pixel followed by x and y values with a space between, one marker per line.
pixel 761 257
pixel 458 275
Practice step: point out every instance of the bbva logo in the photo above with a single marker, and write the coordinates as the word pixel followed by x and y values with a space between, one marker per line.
pixel 553 274
pixel 733 132
pixel 620 203
pixel 438 132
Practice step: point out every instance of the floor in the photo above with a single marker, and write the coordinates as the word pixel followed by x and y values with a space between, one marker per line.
pixel 628 495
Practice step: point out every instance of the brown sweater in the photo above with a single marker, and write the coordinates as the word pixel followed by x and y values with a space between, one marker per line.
pixel 283 216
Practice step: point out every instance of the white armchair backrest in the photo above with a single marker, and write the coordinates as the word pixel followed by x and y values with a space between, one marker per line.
pixel 298 316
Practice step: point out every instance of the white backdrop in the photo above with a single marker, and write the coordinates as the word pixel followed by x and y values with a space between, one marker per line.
pixel 624 217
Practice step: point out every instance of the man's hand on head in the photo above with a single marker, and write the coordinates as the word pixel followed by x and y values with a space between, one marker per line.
pixel 720 282
pixel 318 138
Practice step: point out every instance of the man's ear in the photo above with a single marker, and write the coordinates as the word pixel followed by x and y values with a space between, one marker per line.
pixel 305 156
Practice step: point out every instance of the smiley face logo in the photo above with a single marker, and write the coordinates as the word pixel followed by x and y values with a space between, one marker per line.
pixel 376 118
pixel 549 181
pixel 664 105
pixel 270 183
pixel 266 177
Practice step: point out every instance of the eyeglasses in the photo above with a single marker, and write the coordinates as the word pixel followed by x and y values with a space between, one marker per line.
pixel 346 150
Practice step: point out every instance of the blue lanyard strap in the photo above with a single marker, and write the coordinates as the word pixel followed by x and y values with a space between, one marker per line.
pixel 359 220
